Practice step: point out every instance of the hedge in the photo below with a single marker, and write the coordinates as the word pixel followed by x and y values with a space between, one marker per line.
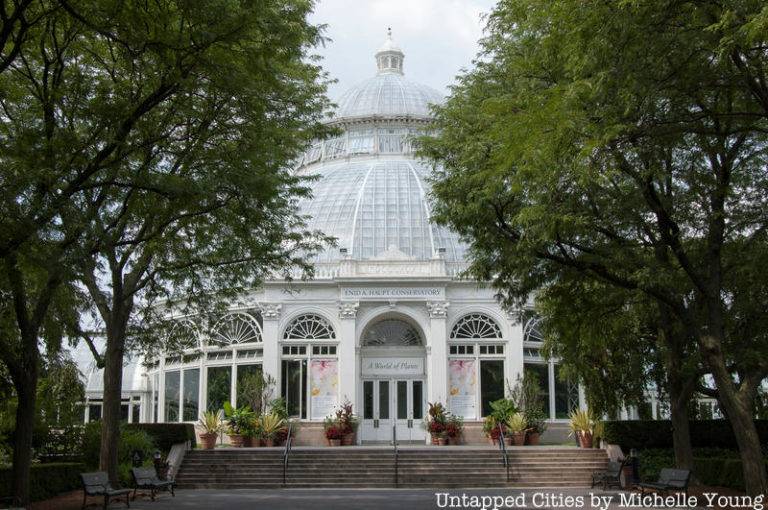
pixel 645 434
pixel 166 435
pixel 46 480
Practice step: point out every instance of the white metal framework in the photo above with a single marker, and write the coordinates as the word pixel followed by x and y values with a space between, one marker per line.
pixel 309 327
pixel 476 325
pixel 236 328
pixel 392 332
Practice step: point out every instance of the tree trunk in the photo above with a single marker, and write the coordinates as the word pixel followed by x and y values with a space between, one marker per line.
pixel 113 382
pixel 681 435
pixel 26 391
pixel 738 407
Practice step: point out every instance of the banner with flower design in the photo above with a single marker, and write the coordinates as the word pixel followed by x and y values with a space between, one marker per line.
pixel 462 381
pixel 323 386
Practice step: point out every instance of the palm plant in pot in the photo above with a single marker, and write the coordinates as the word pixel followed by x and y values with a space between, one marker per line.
pixel 252 432
pixel 270 425
pixel 212 423
pixel 238 421
pixel 517 425
pixel 581 426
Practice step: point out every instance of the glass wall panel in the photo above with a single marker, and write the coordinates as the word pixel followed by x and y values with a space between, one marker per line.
pixel 418 400
pixel 566 396
pixel 402 400
pixel 136 412
pixel 368 400
pixel 124 412
pixel 191 394
pixel 155 397
pixel 219 387
pixel 541 372
pixel 94 412
pixel 384 400
pixel 491 383
pixel 294 386
pixel 248 387
pixel 171 399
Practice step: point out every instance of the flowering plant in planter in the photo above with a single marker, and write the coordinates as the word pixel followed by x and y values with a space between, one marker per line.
pixel 347 421
pixel 334 431
pixel 454 428
pixel 437 420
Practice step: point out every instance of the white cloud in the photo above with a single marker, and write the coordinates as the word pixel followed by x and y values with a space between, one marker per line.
pixel 438 37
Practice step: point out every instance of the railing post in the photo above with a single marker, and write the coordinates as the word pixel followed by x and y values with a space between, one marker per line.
pixel 286 452
pixel 394 445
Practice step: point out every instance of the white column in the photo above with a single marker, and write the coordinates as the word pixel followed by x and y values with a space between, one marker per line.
pixel 270 361
pixel 347 351
pixel 437 352
pixel 515 350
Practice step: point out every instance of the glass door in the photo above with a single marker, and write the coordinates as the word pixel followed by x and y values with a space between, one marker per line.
pixel 409 409
pixel 377 415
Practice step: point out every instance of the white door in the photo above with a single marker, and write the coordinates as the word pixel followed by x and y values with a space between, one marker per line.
pixel 377 413
pixel 409 409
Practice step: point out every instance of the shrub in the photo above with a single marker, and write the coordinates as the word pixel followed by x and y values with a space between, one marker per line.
pixel 166 435
pixel 46 480
pixel 131 439
pixel 719 472
pixel 639 434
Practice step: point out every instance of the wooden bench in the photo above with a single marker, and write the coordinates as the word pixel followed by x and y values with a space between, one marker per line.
pixel 669 480
pixel 97 484
pixel 146 478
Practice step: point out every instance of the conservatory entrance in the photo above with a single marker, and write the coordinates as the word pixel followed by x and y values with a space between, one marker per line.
pixel 393 382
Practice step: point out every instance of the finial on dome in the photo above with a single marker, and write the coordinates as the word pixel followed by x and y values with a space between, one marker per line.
pixel 389 58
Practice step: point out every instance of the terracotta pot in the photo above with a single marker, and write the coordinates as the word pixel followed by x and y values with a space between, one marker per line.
pixel 348 439
pixel 236 440
pixel 518 438
pixel 493 441
pixel 208 441
pixel 334 442
pixel 585 439
pixel 455 440
pixel 435 439
pixel 509 439
pixel 442 441
pixel 269 442
pixel 248 441
pixel 533 438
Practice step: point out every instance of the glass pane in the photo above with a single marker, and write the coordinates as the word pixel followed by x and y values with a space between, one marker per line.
pixel 384 400
pixel 567 397
pixel 155 397
pixel 293 387
pixel 250 388
pixel 94 412
pixel 219 387
pixel 368 400
pixel 491 383
pixel 136 413
pixel 191 394
pixel 402 400
pixel 172 387
pixel 541 373
pixel 124 410
pixel 418 404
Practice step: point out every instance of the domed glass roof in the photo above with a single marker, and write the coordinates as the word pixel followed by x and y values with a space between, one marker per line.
pixel 371 192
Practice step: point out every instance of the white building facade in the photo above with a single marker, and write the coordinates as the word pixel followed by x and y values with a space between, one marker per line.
pixel 386 323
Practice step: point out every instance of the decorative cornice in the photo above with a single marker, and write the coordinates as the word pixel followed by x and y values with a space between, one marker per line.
pixel 271 311
pixel 438 309
pixel 348 309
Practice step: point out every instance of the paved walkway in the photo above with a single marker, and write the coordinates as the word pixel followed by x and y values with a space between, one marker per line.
pixel 377 499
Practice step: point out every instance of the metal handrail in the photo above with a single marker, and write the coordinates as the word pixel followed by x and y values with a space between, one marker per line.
pixel 287 452
pixel 503 449
pixel 394 445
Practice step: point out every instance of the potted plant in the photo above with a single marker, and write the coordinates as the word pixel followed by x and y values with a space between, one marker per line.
pixel 517 425
pixel 454 429
pixel 436 422
pixel 333 432
pixel 252 432
pixel 212 424
pixel 581 426
pixel 491 429
pixel 270 424
pixel 348 422
pixel 238 421
pixel 598 432
pixel 537 425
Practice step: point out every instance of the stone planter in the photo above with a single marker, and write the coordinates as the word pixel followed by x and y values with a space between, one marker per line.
pixel 208 441
pixel 236 440
pixel 518 438
pixel 533 438
pixel 348 439
pixel 334 442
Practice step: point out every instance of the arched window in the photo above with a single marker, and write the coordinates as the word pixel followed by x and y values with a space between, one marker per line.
pixel 309 327
pixel 183 335
pixel 236 328
pixel 392 332
pixel 476 325
pixel 532 331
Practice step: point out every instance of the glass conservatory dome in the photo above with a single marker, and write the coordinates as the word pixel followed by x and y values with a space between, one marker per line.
pixel 371 191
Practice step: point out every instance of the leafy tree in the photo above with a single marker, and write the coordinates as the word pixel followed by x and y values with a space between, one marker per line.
pixel 623 141
pixel 104 105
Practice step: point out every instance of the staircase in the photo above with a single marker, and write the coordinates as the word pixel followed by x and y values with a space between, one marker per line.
pixel 361 467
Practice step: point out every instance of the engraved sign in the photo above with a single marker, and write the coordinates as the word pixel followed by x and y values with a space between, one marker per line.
pixel 387 293
pixel 393 366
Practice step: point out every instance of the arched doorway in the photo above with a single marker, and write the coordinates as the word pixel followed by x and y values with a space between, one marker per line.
pixel 393 380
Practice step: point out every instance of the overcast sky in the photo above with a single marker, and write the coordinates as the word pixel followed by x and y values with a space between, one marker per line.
pixel 438 37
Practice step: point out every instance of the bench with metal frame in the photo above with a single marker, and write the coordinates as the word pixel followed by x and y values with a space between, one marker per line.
pixel 97 484
pixel 610 477
pixel 669 480
pixel 146 478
